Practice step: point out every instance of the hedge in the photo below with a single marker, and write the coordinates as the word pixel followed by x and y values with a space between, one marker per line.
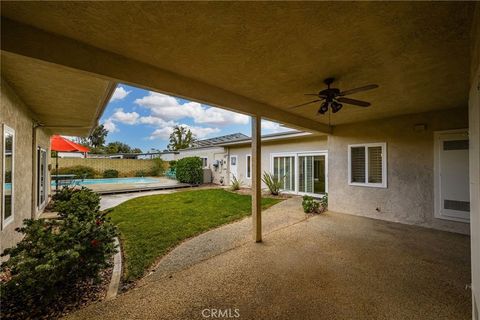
pixel 189 170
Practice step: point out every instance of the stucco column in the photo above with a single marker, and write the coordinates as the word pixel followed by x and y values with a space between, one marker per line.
pixel 256 178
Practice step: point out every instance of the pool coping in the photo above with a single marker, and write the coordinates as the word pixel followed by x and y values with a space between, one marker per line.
pixel 146 188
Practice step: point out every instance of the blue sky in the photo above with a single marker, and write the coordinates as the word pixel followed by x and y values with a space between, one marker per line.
pixel 145 119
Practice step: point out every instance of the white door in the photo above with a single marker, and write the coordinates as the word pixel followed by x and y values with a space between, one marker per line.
pixel 452 194
pixel 233 168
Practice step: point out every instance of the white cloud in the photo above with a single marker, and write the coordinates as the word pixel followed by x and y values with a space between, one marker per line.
pixel 199 132
pixel 202 132
pixel 168 108
pixel 119 94
pixel 273 127
pixel 125 117
pixel 110 126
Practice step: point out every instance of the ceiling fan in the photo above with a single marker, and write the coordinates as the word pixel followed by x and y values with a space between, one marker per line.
pixel 334 96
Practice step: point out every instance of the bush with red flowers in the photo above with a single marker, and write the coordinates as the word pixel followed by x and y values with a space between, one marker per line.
pixel 56 255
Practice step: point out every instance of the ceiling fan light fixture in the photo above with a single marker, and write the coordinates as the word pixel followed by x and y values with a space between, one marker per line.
pixel 324 108
pixel 336 107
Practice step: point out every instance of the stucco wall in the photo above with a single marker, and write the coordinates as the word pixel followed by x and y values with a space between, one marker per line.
pixel 219 174
pixel 409 197
pixel 317 143
pixel 474 131
pixel 15 114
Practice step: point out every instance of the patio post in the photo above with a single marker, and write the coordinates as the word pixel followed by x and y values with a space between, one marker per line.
pixel 256 178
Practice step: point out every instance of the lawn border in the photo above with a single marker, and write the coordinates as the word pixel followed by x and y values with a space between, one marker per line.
pixel 116 273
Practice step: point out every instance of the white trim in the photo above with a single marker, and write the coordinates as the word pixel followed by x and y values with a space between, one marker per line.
pixel 384 165
pixel 230 166
pixel 248 162
pixel 6 222
pixel 206 162
pixel 296 155
pixel 42 205
pixel 436 173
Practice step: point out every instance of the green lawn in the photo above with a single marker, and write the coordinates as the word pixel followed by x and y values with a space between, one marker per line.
pixel 151 225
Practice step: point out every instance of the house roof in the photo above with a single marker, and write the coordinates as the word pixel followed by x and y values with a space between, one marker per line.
pixel 244 139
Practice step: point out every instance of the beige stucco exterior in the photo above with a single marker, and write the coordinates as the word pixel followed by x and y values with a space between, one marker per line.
pixel 474 132
pixel 16 115
pixel 213 154
pixel 420 54
pixel 302 144
pixel 409 196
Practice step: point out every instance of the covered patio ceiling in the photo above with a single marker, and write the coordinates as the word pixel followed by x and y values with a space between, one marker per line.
pixel 259 58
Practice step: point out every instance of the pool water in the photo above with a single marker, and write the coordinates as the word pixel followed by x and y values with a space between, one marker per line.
pixel 114 181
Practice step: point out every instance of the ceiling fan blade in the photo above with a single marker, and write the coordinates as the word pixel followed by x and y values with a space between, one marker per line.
pixel 304 104
pixel 354 102
pixel 364 88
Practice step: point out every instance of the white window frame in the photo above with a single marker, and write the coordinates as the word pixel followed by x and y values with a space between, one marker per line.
pixel 296 155
pixel 42 205
pixel 206 161
pixel 6 222
pixel 248 162
pixel 383 184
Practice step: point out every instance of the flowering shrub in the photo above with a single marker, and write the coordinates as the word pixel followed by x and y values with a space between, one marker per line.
pixel 56 255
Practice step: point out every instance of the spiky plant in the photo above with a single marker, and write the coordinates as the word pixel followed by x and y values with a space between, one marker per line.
pixel 273 183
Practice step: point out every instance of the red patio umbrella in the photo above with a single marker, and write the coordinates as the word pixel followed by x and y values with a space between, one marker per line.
pixel 59 143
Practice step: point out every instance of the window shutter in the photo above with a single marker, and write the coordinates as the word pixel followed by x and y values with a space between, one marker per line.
pixel 357 158
pixel 375 164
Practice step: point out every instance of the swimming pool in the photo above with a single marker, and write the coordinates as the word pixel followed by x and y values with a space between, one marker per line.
pixel 114 181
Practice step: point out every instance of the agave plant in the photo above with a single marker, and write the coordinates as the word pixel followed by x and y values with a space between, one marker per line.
pixel 236 184
pixel 273 182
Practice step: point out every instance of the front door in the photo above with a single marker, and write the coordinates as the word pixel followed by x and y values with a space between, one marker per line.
pixel 233 168
pixel 452 194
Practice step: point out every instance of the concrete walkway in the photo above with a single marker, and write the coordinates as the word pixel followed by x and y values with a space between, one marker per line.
pixel 332 266
pixel 225 238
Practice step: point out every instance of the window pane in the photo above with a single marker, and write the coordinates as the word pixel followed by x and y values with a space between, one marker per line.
pixel 319 174
pixel 375 164
pixel 357 155
pixel 301 174
pixel 8 174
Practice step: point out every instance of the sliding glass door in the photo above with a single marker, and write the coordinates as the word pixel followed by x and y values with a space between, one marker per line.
pixel 303 173
pixel 284 168
pixel 311 174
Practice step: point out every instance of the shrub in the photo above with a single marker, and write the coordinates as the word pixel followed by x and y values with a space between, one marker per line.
pixel 273 183
pixel 158 168
pixel 141 173
pixel 78 202
pixel 236 184
pixel 324 202
pixel 172 164
pixel 189 170
pixel 80 171
pixel 110 173
pixel 310 205
pixel 56 256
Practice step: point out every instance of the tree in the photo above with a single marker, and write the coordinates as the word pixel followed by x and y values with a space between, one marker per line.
pixel 97 138
pixel 180 138
pixel 136 150
pixel 117 147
